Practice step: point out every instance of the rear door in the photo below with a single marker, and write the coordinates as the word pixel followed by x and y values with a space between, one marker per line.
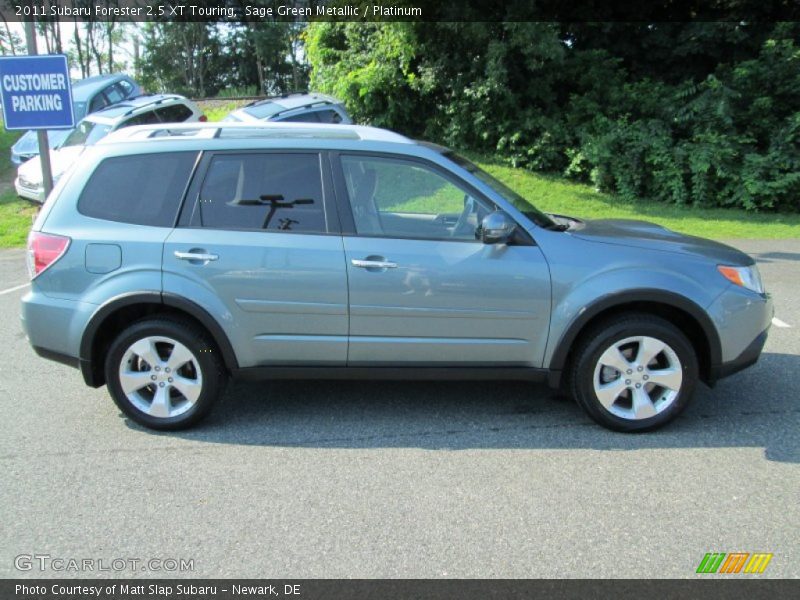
pixel 258 245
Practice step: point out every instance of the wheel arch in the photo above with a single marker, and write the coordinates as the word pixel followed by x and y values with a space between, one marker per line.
pixel 688 316
pixel 118 312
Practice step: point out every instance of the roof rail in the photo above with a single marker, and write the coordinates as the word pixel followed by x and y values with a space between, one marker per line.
pixel 263 130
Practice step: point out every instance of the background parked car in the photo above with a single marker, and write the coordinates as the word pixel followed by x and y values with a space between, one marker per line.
pixel 88 95
pixel 302 108
pixel 143 110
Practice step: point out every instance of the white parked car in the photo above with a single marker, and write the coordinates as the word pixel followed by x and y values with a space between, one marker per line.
pixel 142 110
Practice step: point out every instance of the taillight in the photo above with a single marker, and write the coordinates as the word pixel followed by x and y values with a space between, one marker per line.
pixel 203 118
pixel 43 250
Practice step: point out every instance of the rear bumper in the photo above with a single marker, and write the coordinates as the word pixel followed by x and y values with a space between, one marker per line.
pixel 747 358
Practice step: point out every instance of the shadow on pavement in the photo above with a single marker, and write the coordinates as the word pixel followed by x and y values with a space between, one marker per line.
pixel 755 408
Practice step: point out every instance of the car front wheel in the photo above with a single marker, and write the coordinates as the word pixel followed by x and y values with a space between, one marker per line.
pixel 634 373
pixel 164 373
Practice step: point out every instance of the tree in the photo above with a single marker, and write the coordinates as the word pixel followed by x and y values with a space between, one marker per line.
pixel 699 113
pixel 10 42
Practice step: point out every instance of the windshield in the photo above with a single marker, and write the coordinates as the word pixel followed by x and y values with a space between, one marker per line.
pixel 520 203
pixel 86 133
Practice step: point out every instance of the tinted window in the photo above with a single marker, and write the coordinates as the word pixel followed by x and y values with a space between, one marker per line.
pixel 144 189
pixel 98 102
pixel 177 113
pixel 398 198
pixel 126 87
pixel 303 118
pixel 276 192
pixel 114 94
pixel 145 118
pixel 329 116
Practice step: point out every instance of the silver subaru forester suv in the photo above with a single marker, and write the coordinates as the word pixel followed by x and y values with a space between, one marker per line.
pixel 174 258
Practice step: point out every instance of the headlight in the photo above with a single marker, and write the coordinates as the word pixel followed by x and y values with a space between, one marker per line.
pixel 746 277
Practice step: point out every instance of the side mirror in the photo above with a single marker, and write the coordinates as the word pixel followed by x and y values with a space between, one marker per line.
pixel 496 228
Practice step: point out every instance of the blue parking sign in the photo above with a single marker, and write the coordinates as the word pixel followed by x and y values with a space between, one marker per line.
pixel 36 92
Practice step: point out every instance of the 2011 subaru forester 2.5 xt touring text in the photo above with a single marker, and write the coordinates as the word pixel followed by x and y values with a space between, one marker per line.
pixel 171 259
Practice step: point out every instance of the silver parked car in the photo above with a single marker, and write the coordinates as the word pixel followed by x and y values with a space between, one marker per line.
pixel 293 108
pixel 173 258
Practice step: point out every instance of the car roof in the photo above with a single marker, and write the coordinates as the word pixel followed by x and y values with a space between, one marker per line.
pixel 86 88
pixel 114 112
pixel 232 136
pixel 270 107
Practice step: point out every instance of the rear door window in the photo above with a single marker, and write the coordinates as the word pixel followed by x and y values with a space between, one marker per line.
pixel 143 189
pixel 114 94
pixel 267 192
pixel 177 113
pixel 126 87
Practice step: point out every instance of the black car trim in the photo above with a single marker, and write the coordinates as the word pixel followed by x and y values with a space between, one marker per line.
pixel 747 358
pixel 565 344
pixel 64 359
pixel 411 373
pixel 90 373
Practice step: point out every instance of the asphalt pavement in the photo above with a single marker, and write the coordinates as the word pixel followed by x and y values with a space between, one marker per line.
pixel 377 479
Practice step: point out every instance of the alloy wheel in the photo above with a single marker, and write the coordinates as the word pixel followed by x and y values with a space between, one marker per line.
pixel 160 376
pixel 637 377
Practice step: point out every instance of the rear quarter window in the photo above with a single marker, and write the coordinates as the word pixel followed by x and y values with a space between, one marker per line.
pixel 142 189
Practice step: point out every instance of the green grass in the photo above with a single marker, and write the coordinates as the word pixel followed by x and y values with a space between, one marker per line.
pixel 215 110
pixel 7 139
pixel 16 214
pixel 16 217
pixel 560 196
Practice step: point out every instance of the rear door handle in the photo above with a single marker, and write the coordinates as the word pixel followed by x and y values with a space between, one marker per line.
pixel 205 257
pixel 373 264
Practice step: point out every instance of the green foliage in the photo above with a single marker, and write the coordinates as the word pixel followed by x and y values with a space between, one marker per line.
pixel 697 114
pixel 205 59
pixel 368 66
pixel 237 92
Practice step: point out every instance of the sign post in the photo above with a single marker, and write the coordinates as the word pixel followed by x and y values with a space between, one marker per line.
pixel 37 94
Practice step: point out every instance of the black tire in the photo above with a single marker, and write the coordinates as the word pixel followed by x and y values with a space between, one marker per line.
pixel 599 338
pixel 207 359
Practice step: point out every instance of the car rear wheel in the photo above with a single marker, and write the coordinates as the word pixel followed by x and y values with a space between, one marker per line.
pixel 634 373
pixel 164 373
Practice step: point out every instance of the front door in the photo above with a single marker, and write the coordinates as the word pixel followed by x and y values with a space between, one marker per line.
pixel 423 290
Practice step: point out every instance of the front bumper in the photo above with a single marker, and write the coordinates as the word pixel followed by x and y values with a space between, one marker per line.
pixel 747 358
pixel 743 319
pixel 29 191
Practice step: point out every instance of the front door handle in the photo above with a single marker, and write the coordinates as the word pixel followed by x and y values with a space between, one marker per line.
pixel 200 256
pixel 373 264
